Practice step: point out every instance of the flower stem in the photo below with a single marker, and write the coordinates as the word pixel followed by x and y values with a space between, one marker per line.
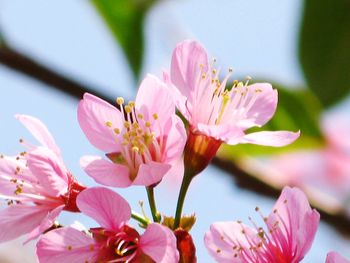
pixel 139 218
pixel 152 204
pixel 186 181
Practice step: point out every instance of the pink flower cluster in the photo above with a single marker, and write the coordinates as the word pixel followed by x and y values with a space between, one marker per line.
pixel 143 140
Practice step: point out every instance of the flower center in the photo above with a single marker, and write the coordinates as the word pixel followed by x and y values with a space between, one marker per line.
pixel 116 247
pixel 139 144
pixel 273 245
pixel 215 104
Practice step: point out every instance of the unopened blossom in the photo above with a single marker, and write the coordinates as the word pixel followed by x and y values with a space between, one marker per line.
pixel 36 185
pixel 142 139
pixel 334 257
pixel 289 232
pixel 218 114
pixel 113 241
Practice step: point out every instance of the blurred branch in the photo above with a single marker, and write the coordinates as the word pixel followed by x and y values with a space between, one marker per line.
pixel 244 180
pixel 34 69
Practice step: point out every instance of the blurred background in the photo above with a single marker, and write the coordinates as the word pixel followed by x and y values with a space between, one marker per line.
pixel 53 51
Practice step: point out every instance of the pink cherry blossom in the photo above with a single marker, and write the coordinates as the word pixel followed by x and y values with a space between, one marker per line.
pixel 215 111
pixel 217 114
pixel 334 257
pixel 114 241
pixel 142 140
pixel 36 184
pixel 323 172
pixel 289 233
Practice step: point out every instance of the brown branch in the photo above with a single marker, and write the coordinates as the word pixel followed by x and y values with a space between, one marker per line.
pixel 339 221
pixel 28 66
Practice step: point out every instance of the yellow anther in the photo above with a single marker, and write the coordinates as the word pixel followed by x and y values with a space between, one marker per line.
pixel 116 131
pixel 147 124
pixel 131 104
pixel 109 124
pixel 258 90
pixel 201 66
pixel 240 84
pixel 155 116
pixel 120 100
pixel 128 109
pixel 203 76
pixel 214 71
pixel 135 125
pixel 140 116
pixel 127 124
pixel 135 149
pixel 126 136
pixel 132 133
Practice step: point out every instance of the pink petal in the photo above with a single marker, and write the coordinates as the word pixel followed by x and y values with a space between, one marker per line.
pixel 186 70
pixel 105 172
pixel 180 99
pixel 8 171
pixel 292 207
pixel 154 97
pixel 267 138
pixel 334 257
pixel 93 114
pixel 108 208
pixel 49 171
pixel 224 132
pixel 151 173
pixel 223 237
pixel 159 243
pixel 66 245
pixel 263 108
pixel 45 224
pixel 39 131
pixel 175 140
pixel 17 220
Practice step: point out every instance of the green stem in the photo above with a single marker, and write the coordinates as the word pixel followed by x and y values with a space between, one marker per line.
pixel 186 181
pixel 139 218
pixel 152 204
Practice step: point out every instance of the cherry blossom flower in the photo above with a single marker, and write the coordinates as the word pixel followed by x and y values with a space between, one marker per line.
pixel 323 172
pixel 142 140
pixel 36 185
pixel 290 231
pixel 334 257
pixel 217 114
pixel 114 241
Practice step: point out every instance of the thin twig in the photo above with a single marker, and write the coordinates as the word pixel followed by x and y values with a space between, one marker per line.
pixel 30 67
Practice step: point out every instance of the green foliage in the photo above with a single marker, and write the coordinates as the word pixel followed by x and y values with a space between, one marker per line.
pixel 2 40
pixel 325 48
pixel 125 20
pixel 297 109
